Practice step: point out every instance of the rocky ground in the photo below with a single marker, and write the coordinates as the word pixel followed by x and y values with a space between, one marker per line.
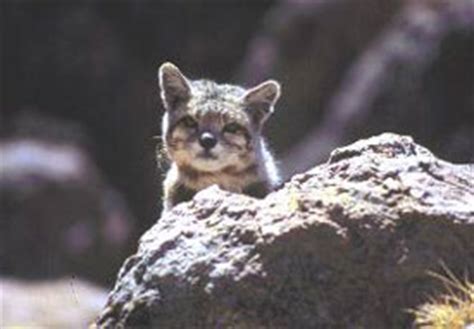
pixel 348 244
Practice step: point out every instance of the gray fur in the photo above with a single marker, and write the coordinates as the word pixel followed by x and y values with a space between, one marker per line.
pixel 240 162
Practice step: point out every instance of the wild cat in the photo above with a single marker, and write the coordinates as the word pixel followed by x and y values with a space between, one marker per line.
pixel 212 134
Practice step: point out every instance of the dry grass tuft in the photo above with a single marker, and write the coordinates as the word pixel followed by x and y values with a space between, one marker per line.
pixel 454 310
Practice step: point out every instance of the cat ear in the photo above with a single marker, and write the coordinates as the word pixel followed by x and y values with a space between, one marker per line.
pixel 259 100
pixel 174 86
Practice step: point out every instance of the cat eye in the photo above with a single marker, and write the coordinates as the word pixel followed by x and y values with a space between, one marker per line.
pixel 232 128
pixel 189 122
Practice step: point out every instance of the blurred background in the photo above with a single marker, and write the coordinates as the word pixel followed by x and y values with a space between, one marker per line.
pixel 80 108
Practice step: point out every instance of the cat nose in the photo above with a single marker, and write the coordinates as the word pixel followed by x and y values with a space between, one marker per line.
pixel 207 140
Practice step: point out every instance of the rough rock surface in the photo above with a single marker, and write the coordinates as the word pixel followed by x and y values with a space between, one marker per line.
pixel 347 244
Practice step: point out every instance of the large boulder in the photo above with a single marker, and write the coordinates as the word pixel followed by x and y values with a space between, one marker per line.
pixel 347 244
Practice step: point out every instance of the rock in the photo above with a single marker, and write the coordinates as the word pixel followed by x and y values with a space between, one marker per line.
pixel 347 244
pixel 63 303
pixel 59 216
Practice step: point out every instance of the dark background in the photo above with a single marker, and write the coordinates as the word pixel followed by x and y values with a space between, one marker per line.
pixel 83 74
pixel 95 63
